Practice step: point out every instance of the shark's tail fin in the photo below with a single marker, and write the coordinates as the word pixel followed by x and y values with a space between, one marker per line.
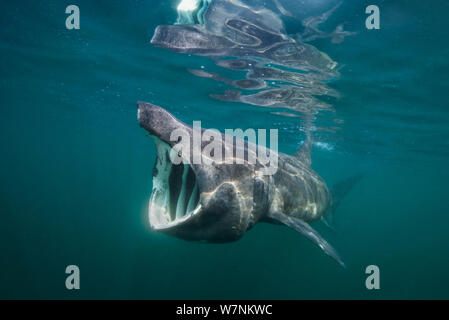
pixel 339 191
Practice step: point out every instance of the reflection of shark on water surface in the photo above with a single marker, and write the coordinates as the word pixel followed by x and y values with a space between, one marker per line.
pixel 238 36
pixel 311 31
pixel 219 202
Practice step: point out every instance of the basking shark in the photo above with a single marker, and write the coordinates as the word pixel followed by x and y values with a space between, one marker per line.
pixel 220 201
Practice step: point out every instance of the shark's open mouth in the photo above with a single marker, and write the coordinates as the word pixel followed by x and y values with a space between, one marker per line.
pixel 175 197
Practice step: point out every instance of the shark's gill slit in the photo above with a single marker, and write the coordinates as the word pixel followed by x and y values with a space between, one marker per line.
pixel 181 204
pixel 175 193
pixel 174 184
pixel 194 198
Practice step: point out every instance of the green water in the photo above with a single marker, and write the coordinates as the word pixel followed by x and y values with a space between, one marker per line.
pixel 76 167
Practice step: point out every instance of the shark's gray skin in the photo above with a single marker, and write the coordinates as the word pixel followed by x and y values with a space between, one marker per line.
pixel 220 202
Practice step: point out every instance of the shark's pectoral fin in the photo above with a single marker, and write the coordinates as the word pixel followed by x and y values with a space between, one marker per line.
pixel 305 229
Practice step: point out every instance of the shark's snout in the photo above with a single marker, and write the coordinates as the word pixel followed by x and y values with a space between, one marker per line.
pixel 158 121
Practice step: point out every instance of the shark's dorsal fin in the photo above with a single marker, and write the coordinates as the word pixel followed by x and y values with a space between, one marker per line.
pixel 303 154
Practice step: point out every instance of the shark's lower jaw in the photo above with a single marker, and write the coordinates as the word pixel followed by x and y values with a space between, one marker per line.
pixel 175 197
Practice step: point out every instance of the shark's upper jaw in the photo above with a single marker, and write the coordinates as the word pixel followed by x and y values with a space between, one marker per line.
pixel 159 122
pixel 175 197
